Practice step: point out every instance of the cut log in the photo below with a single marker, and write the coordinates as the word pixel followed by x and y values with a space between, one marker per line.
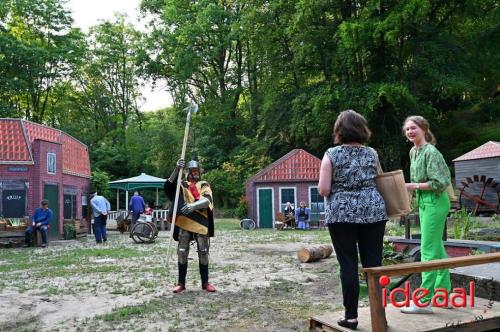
pixel 307 255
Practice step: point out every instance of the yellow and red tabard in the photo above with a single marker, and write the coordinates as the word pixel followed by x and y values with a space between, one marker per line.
pixel 198 221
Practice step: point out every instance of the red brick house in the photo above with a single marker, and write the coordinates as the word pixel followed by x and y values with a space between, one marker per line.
pixel 292 178
pixel 39 162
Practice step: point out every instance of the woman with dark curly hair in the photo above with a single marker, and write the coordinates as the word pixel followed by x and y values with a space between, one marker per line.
pixel 355 211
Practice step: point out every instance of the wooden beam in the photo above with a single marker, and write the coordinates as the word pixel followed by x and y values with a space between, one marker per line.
pixel 377 311
pixel 12 234
pixel 438 264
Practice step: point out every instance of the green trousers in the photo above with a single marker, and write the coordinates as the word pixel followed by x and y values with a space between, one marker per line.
pixel 433 210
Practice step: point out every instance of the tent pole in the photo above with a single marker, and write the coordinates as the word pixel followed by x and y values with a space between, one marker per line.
pixel 157 197
pixel 126 199
pixel 117 199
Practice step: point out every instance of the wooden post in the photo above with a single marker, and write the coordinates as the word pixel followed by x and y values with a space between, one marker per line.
pixel 377 311
pixel 445 230
pixel 194 109
pixel 407 227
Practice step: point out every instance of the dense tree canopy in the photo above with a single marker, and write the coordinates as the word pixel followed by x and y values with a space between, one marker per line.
pixel 268 75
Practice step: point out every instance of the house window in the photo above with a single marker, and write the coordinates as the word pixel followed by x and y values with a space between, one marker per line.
pixel 317 202
pixel 287 195
pixel 51 163
pixel 69 202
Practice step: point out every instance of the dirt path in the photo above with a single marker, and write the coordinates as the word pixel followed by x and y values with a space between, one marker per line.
pixel 123 286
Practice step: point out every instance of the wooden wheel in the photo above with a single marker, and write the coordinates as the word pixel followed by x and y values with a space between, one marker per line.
pixel 144 232
pixel 479 193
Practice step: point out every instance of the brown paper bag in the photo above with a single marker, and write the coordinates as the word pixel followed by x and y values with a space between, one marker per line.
pixel 391 185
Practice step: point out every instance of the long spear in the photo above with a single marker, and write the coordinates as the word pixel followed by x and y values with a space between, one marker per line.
pixel 193 108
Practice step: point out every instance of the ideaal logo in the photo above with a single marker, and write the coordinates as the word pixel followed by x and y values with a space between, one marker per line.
pixel 441 298
pixel 13 197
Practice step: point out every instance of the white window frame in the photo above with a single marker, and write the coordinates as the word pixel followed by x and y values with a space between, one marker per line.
pixel 295 204
pixel 258 204
pixel 310 201
pixel 49 154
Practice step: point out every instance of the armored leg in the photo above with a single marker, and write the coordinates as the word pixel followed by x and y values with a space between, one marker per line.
pixel 203 243
pixel 203 246
pixel 182 254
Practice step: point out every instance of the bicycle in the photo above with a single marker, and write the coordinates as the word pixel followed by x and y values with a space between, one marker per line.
pixel 247 223
pixel 144 230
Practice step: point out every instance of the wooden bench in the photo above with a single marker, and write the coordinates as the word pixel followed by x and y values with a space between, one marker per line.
pixel 81 232
pixel 377 311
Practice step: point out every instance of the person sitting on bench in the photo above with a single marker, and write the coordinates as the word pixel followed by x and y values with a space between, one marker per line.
pixel 39 222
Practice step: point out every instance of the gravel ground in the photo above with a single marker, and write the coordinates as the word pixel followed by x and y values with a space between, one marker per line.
pixel 123 286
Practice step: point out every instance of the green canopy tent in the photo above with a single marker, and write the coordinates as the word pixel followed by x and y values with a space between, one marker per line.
pixel 137 182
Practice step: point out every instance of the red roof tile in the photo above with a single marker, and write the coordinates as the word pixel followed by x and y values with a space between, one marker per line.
pixel 489 149
pixel 75 157
pixel 38 131
pixel 17 137
pixel 13 146
pixel 296 165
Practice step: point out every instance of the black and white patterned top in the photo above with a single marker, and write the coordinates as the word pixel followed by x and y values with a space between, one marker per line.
pixel 354 197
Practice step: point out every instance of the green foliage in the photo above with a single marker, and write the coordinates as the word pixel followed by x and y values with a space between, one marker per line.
pixel 99 182
pixel 225 185
pixel 390 255
pixel 242 208
pixel 463 222
pixel 269 76
pixel 39 50
pixel 69 231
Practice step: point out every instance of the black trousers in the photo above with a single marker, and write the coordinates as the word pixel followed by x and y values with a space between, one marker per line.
pixel 346 239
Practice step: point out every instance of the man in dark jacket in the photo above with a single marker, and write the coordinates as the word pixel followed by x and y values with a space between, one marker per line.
pixel 136 207
pixel 39 222
pixel 194 220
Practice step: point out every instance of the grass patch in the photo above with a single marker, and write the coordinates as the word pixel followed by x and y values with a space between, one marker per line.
pixel 227 225
pixel 124 313
pixel 34 260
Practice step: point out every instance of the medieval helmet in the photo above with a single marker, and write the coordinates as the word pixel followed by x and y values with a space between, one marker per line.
pixel 191 165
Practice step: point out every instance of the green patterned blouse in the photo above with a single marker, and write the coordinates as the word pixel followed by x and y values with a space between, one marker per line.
pixel 428 165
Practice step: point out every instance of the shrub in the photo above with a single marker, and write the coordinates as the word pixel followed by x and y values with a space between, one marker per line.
pixel 69 231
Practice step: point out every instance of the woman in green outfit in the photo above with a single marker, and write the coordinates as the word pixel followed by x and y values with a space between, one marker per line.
pixel 429 177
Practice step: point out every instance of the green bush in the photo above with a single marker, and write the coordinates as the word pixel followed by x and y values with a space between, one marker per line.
pixel 242 208
pixel 69 231
pixel 463 222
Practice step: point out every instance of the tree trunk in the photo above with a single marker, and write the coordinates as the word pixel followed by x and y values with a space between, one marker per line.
pixel 307 255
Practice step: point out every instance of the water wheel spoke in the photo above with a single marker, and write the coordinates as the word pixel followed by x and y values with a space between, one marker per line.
pixel 481 195
pixel 478 200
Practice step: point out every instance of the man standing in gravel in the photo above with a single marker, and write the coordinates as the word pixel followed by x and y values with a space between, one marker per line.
pixel 194 220
pixel 100 208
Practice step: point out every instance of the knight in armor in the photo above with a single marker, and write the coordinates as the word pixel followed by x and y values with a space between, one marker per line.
pixel 194 220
